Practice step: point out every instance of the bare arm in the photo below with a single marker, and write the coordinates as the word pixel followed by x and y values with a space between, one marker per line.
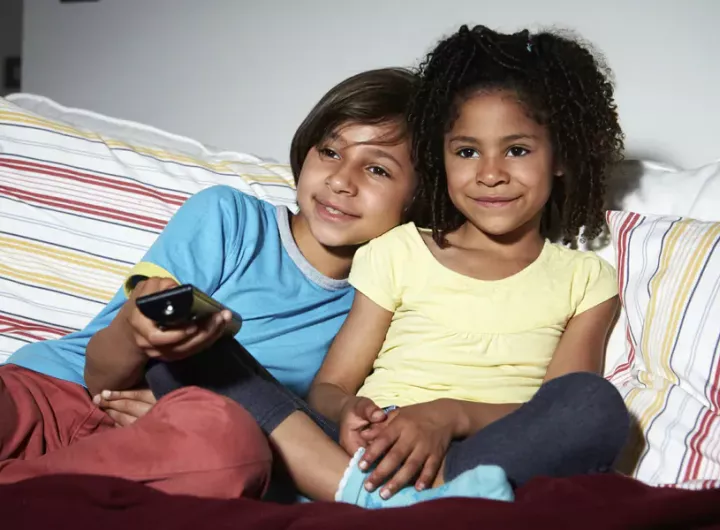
pixel 581 349
pixel 113 358
pixel 350 358
pixel 117 355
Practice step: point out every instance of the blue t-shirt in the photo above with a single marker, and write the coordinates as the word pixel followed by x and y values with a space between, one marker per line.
pixel 239 250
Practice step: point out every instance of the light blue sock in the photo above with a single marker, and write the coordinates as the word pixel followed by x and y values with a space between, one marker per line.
pixel 483 482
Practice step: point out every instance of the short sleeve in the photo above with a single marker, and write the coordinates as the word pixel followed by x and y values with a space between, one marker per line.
pixel 374 271
pixel 596 280
pixel 198 241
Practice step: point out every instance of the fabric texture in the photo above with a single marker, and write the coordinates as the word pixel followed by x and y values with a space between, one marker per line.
pixel 590 502
pixel 669 278
pixel 457 337
pixel 191 442
pixel 481 482
pixel 228 369
pixel 574 424
pixel 237 249
pixel 81 201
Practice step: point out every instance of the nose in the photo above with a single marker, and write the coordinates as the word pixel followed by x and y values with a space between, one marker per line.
pixel 342 181
pixel 491 172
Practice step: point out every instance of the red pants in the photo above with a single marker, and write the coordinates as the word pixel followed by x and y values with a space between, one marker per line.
pixel 191 442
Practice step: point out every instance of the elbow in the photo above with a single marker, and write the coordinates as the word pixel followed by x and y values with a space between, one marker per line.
pixel 313 397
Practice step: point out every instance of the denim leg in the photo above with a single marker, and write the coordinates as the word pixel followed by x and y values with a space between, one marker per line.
pixel 228 369
pixel 575 424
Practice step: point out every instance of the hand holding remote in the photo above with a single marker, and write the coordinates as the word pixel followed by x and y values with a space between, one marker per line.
pixel 174 343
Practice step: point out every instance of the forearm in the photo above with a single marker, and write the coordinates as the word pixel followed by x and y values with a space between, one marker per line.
pixel 472 417
pixel 113 360
pixel 329 399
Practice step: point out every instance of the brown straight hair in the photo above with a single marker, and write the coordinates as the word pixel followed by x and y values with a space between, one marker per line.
pixel 368 98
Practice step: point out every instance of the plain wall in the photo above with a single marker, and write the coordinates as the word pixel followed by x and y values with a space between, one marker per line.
pixel 10 34
pixel 243 74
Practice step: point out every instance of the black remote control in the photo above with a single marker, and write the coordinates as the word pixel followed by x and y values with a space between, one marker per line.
pixel 182 305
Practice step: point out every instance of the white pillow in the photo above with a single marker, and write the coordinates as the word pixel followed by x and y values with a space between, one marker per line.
pixel 669 376
pixel 82 197
pixel 651 188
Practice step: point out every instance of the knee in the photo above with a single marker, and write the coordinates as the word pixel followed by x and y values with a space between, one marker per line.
pixel 220 432
pixel 598 407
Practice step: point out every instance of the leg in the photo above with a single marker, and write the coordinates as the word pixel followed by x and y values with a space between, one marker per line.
pixel 192 442
pixel 40 414
pixel 304 440
pixel 575 424
pixel 230 370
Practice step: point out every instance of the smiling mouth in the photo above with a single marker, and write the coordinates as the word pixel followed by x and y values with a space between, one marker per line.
pixel 331 212
pixel 494 202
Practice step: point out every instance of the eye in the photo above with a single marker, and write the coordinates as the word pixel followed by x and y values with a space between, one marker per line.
pixel 326 152
pixel 467 152
pixel 379 171
pixel 517 150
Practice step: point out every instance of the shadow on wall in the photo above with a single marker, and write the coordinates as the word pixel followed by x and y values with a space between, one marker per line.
pixel 623 181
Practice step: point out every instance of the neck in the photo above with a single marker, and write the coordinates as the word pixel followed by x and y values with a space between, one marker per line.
pixel 330 261
pixel 523 241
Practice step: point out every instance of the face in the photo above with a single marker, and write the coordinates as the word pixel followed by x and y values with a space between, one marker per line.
pixel 353 188
pixel 499 165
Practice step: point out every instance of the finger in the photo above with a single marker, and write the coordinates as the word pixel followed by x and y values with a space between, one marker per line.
pixel 411 467
pixel 162 338
pixel 130 407
pixel 371 412
pixel 373 431
pixel 144 395
pixel 378 447
pixel 429 472
pixel 351 443
pixel 121 419
pixel 390 464
pixel 152 285
pixel 205 337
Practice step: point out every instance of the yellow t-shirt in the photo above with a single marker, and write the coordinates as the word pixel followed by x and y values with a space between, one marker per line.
pixel 453 336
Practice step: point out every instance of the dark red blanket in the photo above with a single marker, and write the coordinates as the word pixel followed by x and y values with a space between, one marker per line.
pixel 602 502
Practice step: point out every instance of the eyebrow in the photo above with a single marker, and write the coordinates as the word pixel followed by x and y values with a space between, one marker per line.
pixel 376 151
pixel 380 153
pixel 509 138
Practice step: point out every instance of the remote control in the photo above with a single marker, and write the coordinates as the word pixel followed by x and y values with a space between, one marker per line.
pixel 182 305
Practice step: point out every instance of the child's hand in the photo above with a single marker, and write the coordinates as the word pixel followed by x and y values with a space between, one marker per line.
pixel 414 443
pixel 126 406
pixel 170 344
pixel 358 414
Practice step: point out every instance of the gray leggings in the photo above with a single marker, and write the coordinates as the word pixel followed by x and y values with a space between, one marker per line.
pixel 575 424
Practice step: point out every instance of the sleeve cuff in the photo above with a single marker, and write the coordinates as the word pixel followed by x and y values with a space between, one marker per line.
pixel 143 271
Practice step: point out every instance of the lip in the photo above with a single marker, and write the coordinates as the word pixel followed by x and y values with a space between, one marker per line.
pixel 494 202
pixel 322 209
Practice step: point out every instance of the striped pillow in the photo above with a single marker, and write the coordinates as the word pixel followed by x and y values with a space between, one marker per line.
pixel 669 281
pixel 78 208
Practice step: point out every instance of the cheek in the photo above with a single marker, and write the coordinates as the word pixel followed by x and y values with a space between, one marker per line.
pixel 458 175
pixel 310 178
pixel 386 209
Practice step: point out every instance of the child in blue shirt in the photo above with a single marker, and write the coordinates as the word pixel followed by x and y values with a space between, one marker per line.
pixel 285 273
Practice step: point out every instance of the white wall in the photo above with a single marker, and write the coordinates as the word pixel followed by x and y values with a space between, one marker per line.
pixel 10 34
pixel 242 74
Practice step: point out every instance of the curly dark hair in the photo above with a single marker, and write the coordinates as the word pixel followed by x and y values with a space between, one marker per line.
pixel 564 87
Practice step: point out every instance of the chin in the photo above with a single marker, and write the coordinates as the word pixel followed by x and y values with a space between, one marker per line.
pixel 330 240
pixel 497 229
